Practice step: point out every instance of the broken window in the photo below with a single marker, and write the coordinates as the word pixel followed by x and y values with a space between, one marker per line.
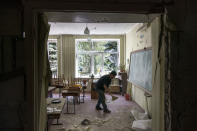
pixel 96 56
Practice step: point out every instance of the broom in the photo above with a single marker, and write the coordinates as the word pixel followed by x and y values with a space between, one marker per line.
pixel 112 96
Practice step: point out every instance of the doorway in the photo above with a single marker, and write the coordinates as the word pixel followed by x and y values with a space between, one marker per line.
pixel 141 30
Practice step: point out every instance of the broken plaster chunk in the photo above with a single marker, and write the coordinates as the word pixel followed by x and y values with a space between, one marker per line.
pixel 123 129
pixel 142 125
pixel 75 126
pixel 74 129
pixel 138 115
pixel 89 129
pixel 62 129
pixel 85 122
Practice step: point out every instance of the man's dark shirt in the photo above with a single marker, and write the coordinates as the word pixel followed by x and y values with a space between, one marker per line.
pixel 104 80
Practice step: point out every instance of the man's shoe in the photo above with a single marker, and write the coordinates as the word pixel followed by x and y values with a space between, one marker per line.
pixel 107 111
pixel 99 108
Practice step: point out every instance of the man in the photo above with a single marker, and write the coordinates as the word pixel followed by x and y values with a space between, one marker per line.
pixel 101 85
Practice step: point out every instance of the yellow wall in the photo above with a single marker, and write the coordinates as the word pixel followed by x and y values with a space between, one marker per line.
pixel 134 43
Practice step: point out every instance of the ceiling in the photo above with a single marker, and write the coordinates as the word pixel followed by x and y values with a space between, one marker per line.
pixel 95 28
pixel 98 23
pixel 85 17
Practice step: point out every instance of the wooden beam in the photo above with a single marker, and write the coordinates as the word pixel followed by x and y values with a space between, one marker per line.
pixel 139 7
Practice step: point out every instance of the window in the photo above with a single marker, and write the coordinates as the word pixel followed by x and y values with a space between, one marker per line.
pixel 96 56
pixel 52 55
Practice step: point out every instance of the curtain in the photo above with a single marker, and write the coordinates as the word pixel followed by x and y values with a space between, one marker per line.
pixel 68 56
pixel 43 69
pixel 66 51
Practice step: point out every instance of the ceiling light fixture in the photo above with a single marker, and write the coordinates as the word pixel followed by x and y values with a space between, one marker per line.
pixel 86 31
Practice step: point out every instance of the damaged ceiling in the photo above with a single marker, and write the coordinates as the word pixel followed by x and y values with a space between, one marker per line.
pixel 84 17
pixel 98 23
pixel 94 28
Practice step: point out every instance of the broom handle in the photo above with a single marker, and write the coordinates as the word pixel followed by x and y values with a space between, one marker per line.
pixel 108 90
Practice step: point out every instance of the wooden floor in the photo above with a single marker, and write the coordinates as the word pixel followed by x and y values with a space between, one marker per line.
pixel 120 118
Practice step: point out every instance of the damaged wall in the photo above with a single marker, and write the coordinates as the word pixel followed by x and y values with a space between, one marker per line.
pixel 156 102
pixel 137 40
pixel 183 92
pixel 182 60
pixel 22 101
pixel 158 80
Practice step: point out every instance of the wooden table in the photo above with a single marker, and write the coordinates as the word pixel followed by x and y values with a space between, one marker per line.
pixel 50 91
pixel 114 89
pixel 54 110
pixel 72 93
pixel 94 94
pixel 60 86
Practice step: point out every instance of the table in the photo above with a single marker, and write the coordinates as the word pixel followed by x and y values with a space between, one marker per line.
pixel 94 94
pixel 60 86
pixel 54 110
pixel 50 90
pixel 74 94
pixel 114 89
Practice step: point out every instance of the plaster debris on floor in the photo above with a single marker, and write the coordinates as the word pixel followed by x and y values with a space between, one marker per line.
pixel 120 118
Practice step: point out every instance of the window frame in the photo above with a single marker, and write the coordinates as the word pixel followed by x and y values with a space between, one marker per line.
pixel 93 53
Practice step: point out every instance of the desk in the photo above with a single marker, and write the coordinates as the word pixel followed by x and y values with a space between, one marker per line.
pixel 94 94
pixel 50 91
pixel 60 86
pixel 74 94
pixel 114 89
pixel 54 110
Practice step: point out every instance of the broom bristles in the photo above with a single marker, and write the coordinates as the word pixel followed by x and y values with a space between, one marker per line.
pixel 114 98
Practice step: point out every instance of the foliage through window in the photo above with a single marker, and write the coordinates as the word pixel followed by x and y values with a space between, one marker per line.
pixel 96 56
pixel 52 55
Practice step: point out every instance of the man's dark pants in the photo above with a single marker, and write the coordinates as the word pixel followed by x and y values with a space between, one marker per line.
pixel 101 99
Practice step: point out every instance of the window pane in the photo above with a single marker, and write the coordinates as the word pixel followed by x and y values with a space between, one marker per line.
pixel 107 46
pixel 84 46
pixel 98 57
pixel 98 65
pixel 84 63
pixel 52 49
pixel 110 62
pixel 99 45
pixel 111 46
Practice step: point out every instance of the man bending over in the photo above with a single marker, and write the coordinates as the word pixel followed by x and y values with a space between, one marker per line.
pixel 101 85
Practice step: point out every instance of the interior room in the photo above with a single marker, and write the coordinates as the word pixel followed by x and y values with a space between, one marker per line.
pixel 48 77
pixel 82 47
